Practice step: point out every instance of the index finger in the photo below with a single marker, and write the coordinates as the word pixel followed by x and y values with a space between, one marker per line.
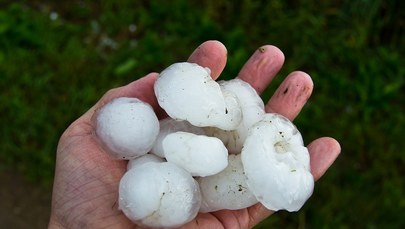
pixel 210 54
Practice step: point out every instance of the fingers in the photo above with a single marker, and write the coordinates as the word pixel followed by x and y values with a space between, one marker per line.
pixel 261 68
pixel 323 152
pixel 291 95
pixel 258 213
pixel 210 54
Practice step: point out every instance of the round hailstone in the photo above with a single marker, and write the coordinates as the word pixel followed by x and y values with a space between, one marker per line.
pixel 127 127
pixel 276 164
pixel 159 195
pixel 143 159
pixel 252 108
pixel 198 154
pixel 227 189
pixel 168 126
pixel 186 91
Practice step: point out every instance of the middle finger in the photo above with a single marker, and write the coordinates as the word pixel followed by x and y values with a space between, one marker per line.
pixel 261 68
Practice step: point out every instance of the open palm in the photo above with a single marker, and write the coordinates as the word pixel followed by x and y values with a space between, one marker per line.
pixel 86 181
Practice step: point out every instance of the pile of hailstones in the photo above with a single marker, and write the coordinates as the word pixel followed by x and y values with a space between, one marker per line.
pixel 218 149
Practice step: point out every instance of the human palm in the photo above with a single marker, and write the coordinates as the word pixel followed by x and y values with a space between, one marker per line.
pixel 86 181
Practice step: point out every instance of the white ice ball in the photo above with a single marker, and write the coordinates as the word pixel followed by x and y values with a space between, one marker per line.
pixel 159 195
pixel 186 91
pixel 277 165
pixel 127 127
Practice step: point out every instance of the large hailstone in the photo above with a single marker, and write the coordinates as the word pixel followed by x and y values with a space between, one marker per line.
pixel 159 195
pixel 227 189
pixel 198 154
pixel 186 91
pixel 127 127
pixel 276 163
pixel 252 108
pixel 168 126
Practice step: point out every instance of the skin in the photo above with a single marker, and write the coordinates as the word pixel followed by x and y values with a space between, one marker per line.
pixel 85 190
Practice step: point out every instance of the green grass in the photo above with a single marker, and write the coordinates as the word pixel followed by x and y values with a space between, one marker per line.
pixel 52 71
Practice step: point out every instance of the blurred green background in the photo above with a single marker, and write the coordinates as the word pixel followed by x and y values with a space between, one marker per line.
pixel 58 58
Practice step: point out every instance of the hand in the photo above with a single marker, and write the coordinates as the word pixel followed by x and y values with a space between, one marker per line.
pixel 85 190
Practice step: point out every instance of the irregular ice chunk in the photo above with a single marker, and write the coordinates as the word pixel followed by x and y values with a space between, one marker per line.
pixel 127 127
pixel 199 154
pixel 186 91
pixel 276 164
pixel 227 189
pixel 159 195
